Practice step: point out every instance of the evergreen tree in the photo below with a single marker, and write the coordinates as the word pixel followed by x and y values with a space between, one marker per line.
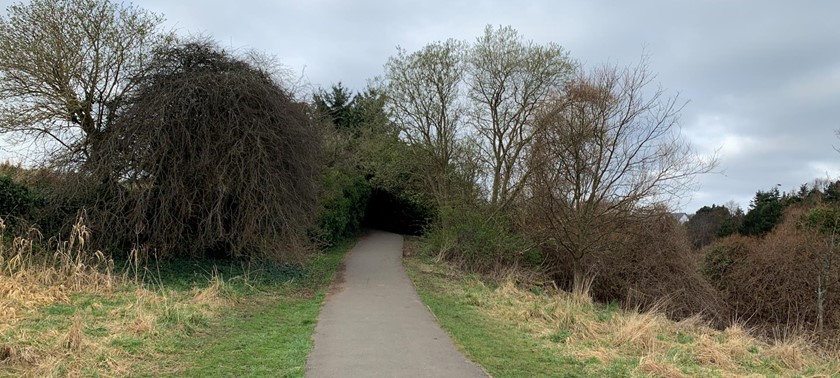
pixel 764 214
pixel 339 104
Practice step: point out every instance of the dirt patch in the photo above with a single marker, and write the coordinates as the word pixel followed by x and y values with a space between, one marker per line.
pixel 337 284
pixel 410 246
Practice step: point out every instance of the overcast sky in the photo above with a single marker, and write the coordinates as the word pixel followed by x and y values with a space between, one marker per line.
pixel 762 77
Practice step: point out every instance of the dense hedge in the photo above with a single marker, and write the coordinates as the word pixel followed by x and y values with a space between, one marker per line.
pixel 344 200
pixel 15 199
pixel 774 279
pixel 477 241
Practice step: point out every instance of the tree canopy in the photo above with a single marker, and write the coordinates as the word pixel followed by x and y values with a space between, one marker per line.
pixel 66 66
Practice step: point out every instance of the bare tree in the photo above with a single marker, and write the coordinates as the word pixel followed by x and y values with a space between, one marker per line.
pixel 424 96
pixel 608 151
pixel 508 80
pixel 66 66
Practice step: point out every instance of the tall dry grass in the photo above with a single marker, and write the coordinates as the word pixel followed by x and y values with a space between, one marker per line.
pixel 573 324
pixel 101 310
pixel 34 273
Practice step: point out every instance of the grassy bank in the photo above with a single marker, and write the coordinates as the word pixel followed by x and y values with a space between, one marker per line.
pixel 267 333
pixel 182 318
pixel 515 331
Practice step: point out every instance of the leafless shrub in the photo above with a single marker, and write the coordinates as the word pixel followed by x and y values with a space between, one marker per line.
pixel 773 281
pixel 211 156
pixel 649 265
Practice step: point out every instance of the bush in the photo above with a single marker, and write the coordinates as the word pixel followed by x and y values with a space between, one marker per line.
pixel 15 199
pixel 719 258
pixel 765 213
pixel 44 198
pixel 649 263
pixel 773 280
pixel 344 200
pixel 477 241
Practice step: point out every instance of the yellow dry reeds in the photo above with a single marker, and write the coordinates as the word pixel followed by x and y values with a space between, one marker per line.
pixel 581 287
pixel 93 313
pixel 649 366
pixel 708 351
pixel 790 353
pixel 32 275
pixel 213 295
pixel 662 347
pixel 143 323
pixel 74 341
pixel 638 331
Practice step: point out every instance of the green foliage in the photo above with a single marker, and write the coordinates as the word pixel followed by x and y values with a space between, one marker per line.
pixel 832 191
pixel 712 222
pixel 764 214
pixel 341 107
pixel 823 219
pixel 367 164
pixel 729 226
pixel 345 198
pixel 15 199
pixel 478 241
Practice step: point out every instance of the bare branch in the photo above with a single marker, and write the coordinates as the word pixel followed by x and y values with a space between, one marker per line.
pixel 605 154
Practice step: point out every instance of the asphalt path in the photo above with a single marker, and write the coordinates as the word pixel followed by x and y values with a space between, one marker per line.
pixel 373 323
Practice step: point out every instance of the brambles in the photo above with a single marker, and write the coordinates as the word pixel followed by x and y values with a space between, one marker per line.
pixel 780 280
pixel 649 264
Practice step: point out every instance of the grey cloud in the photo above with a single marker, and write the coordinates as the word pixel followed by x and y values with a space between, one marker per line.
pixel 762 77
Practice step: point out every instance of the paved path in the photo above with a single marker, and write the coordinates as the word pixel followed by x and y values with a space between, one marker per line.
pixel 373 323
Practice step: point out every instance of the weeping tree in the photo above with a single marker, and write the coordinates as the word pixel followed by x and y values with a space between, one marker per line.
pixel 211 155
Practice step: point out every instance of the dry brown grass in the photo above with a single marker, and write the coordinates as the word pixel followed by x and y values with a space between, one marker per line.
pixel 637 331
pixel 32 275
pixel 653 368
pixel 660 347
pixel 64 312
pixel 214 295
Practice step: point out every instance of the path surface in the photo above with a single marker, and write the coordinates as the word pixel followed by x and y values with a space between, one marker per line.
pixel 373 323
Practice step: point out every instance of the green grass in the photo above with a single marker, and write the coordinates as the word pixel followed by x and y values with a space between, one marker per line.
pixel 514 331
pixel 268 337
pixel 267 333
pixel 503 349
pixel 182 318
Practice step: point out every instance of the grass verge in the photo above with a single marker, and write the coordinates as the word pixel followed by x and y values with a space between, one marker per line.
pixel 69 314
pixel 514 331
pixel 267 333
